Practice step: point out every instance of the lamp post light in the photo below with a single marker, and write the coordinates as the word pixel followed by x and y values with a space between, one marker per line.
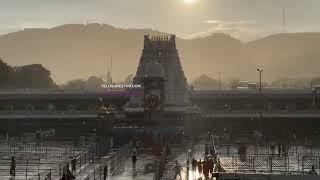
pixel 260 85
pixel 260 97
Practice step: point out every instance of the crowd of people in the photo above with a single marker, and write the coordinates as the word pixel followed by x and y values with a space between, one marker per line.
pixel 206 167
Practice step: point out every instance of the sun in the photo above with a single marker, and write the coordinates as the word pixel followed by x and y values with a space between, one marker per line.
pixel 189 1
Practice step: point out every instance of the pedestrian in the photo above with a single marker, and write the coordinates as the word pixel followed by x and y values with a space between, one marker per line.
pixel 194 164
pixel 244 152
pixel 13 166
pixel 199 163
pixel 177 170
pixel 206 152
pixel 206 168
pixel 105 172
pixel 73 165
pixel 312 171
pixel 211 166
pixel 134 159
pixel 212 150
pixel 240 152
pixel 218 167
pixel 284 149
pixel 279 149
pixel 272 148
pixel 67 175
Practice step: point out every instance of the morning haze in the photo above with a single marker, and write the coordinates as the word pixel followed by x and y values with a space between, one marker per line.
pixel 156 89
pixel 226 36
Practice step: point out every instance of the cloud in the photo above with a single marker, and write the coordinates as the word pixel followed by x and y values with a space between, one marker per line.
pixel 232 23
pixel 245 30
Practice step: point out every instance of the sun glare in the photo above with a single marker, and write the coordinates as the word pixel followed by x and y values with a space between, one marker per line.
pixel 189 1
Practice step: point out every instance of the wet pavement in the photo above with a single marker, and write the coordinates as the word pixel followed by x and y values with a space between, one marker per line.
pixel 124 171
pixel 127 172
pixel 179 154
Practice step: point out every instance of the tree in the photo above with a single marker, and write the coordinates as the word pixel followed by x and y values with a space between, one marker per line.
pixel 205 82
pixel 94 82
pixel 75 84
pixel 129 79
pixel 290 83
pixel 32 76
pixel 6 74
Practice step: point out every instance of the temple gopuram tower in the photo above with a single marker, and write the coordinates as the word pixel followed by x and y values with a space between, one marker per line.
pixel 160 65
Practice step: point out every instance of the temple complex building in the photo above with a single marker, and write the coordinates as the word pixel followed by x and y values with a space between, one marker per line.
pixel 160 62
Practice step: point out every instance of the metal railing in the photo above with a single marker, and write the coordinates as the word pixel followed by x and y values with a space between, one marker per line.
pixel 79 162
pixel 39 151
pixel 295 160
pixel 107 166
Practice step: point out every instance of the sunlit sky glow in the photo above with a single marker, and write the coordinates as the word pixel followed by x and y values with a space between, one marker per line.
pixel 244 19
pixel 190 1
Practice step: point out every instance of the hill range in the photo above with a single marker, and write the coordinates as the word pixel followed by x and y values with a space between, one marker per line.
pixel 78 51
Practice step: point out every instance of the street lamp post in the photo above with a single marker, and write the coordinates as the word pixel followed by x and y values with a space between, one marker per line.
pixel 260 85
pixel 260 97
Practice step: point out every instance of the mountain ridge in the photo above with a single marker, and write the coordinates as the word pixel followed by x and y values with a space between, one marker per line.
pixel 75 51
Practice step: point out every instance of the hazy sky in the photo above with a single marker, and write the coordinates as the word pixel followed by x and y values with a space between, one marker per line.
pixel 245 19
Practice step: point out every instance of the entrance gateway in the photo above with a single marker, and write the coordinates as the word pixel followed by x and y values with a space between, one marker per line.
pixel 165 87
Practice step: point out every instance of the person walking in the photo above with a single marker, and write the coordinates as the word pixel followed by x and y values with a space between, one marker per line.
pixel 312 171
pixel 206 168
pixel 194 164
pixel 272 148
pixel 177 170
pixel 13 166
pixel 212 150
pixel 74 165
pixel 105 172
pixel 134 159
pixel 279 149
pixel 199 163
pixel 206 150
pixel 218 167
pixel 211 166
pixel 67 175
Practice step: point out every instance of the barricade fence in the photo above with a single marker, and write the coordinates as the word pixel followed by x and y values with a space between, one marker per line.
pixel 259 162
pixel 109 165
pixel 26 167
pixel 78 163
pixel 289 150
pixel 40 151
pixel 90 165
pixel 271 163
pixel 306 161
pixel 292 162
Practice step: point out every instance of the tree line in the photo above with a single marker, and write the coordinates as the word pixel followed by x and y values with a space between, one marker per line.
pixel 27 76
pixel 35 76
pixel 205 82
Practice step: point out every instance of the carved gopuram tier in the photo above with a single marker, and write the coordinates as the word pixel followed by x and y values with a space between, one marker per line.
pixel 160 58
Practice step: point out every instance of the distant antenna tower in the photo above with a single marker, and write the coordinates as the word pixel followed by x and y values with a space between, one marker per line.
pixel 284 24
pixel 111 69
